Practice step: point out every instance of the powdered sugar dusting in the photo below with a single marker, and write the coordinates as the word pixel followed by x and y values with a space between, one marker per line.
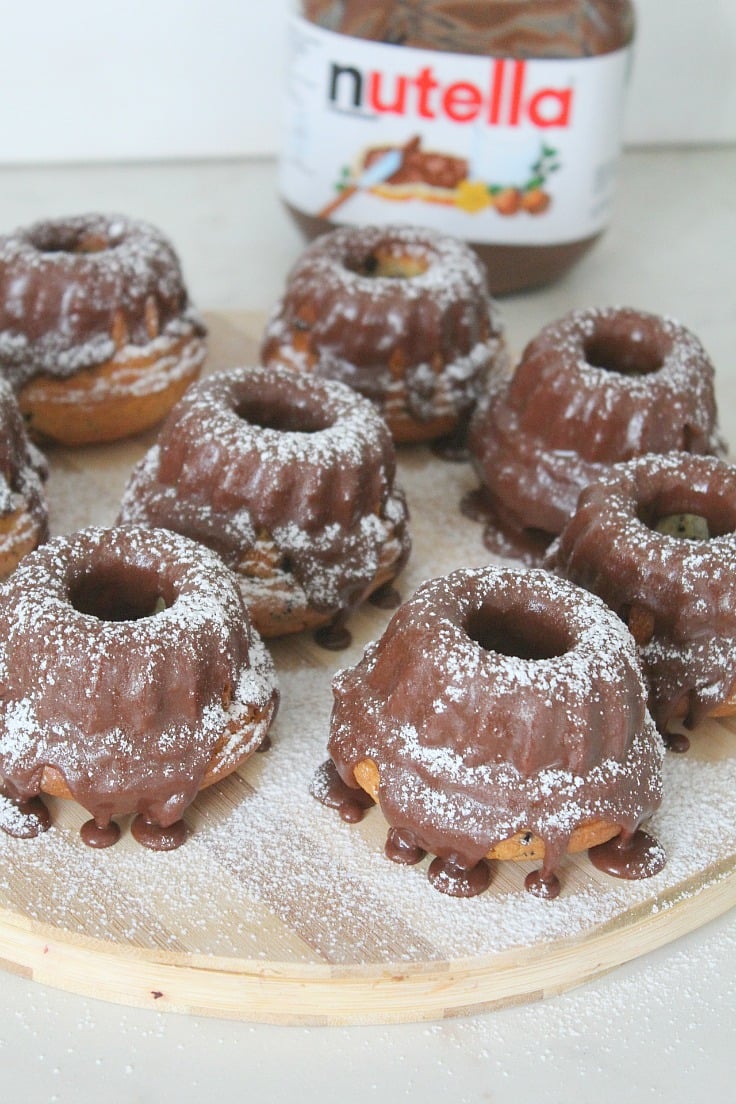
pixel 686 586
pixel 63 282
pixel 326 499
pixel 23 469
pixel 424 343
pixel 612 371
pixel 542 744
pixel 120 706
pixel 450 272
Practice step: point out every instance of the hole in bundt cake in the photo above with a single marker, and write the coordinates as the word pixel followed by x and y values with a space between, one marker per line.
pixel 61 239
pixel 522 633
pixel 280 413
pixel 628 354
pixel 686 514
pixel 118 592
pixel 386 264
pixel 685 526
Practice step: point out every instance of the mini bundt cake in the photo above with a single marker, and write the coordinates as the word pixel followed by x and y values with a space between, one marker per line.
pixel 291 480
pixel 97 335
pixel 401 315
pixel 23 510
pixel 129 679
pixel 501 715
pixel 655 538
pixel 597 387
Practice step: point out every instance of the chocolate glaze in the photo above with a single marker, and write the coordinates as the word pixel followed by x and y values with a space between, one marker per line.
pixel 687 588
pixel 589 391
pixel 335 637
pixel 123 707
pixel 23 469
pixel 419 347
pixel 257 452
pixel 454 447
pixel 498 28
pixel 386 598
pixel 500 701
pixel 500 534
pixel 63 282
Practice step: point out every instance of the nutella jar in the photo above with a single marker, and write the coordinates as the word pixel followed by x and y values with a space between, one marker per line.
pixel 497 121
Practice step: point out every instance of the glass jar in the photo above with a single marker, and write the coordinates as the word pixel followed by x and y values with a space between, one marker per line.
pixel 498 121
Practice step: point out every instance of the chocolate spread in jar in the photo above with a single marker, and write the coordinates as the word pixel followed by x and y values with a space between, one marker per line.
pixel 497 121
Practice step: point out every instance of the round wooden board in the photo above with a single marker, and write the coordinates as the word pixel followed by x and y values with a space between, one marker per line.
pixel 275 910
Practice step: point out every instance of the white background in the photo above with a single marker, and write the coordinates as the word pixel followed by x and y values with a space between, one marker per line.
pixel 149 79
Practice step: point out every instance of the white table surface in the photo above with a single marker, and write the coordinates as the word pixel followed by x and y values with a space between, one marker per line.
pixel 659 1028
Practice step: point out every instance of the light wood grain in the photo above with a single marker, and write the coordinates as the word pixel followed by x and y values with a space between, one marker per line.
pixel 276 911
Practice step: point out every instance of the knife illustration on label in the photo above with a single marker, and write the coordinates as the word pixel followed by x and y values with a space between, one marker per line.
pixel 377 173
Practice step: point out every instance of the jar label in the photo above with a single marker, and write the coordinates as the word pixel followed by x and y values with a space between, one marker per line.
pixel 493 150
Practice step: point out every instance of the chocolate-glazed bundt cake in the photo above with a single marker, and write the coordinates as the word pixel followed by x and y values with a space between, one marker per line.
pixel 656 539
pixel 503 715
pixel 130 677
pixel 596 388
pixel 292 480
pixel 400 314
pixel 97 334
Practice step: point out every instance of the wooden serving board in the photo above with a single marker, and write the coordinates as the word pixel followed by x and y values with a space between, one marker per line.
pixel 275 910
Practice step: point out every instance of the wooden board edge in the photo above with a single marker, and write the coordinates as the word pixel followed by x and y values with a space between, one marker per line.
pixel 299 994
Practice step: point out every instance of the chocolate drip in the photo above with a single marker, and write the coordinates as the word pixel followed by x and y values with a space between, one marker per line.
pixel 677 742
pixel 350 801
pixel 454 447
pixel 543 885
pixel 27 818
pixel 632 855
pixel 501 535
pixel 335 637
pixel 475 505
pixel 459 881
pixel 157 837
pixel 99 835
pixel 402 847
pixel 386 598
